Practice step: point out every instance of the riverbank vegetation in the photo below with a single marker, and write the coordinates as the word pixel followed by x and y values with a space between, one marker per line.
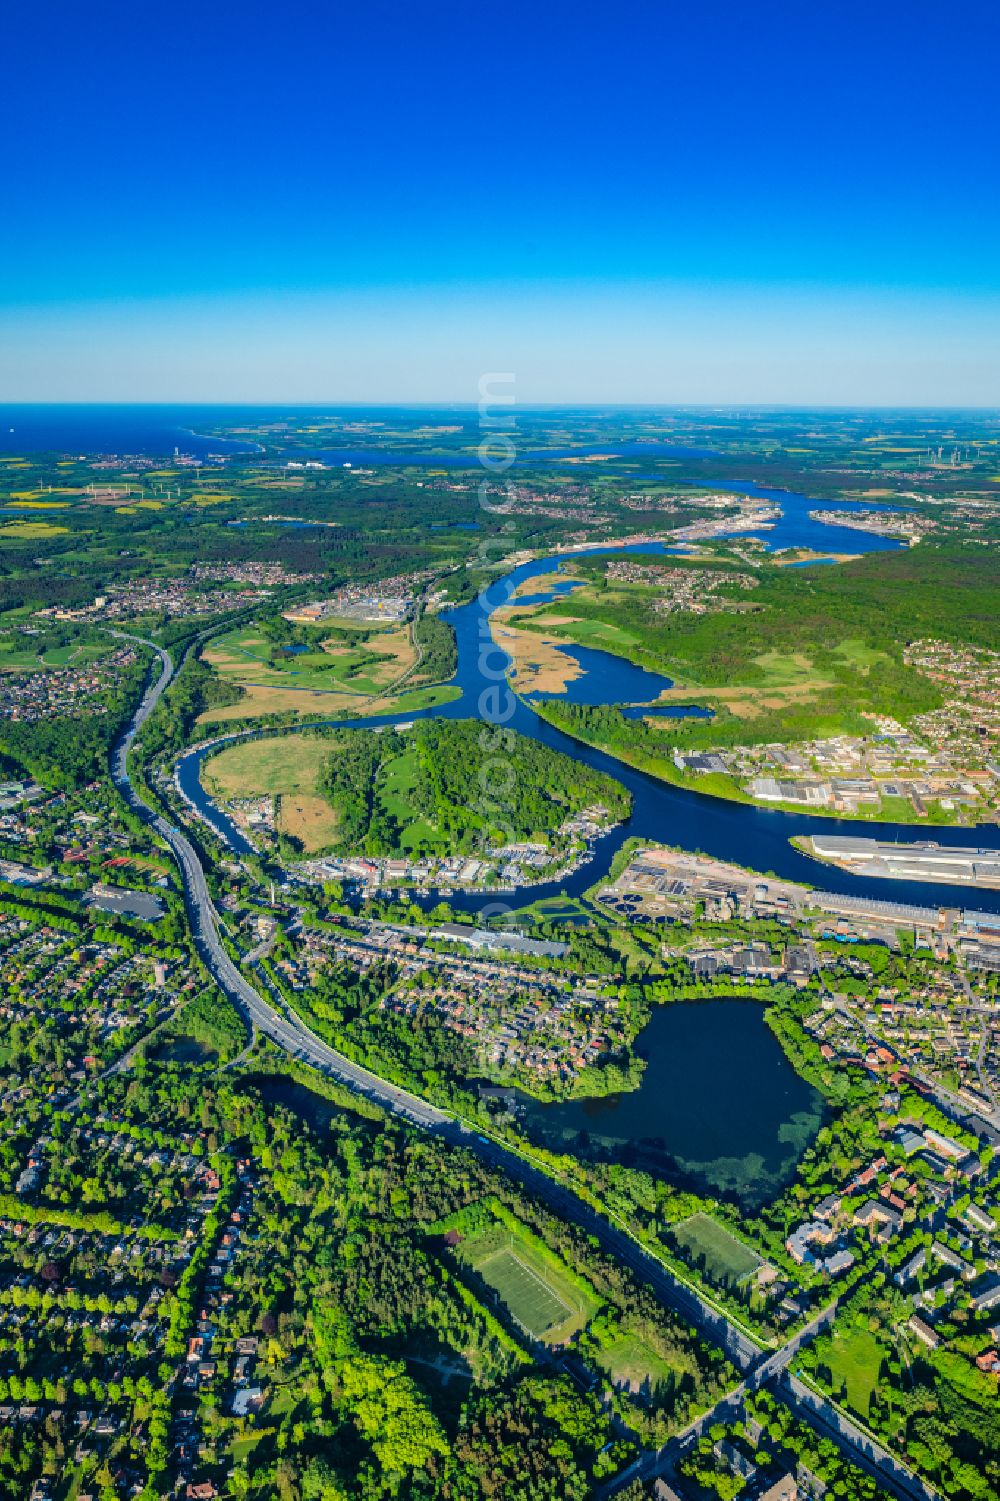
pixel 206 1030
pixel 813 653
pixel 442 787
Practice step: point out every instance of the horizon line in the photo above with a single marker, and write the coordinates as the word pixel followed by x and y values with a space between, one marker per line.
pixel 540 406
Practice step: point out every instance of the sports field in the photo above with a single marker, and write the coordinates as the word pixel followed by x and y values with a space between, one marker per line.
pixel 529 1296
pixel 727 1260
pixel 534 1286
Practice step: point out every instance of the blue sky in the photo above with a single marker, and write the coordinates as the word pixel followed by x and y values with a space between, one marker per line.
pixel 648 202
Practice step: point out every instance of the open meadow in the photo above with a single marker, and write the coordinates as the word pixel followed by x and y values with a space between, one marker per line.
pixel 632 1363
pixel 246 657
pixel 288 768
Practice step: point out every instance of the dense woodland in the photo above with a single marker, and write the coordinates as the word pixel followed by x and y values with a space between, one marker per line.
pixel 472 784
pixel 816 619
pixel 435 639
pixel 885 598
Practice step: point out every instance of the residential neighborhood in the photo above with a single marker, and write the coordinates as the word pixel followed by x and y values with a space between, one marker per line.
pixel 34 696
pixel 206 589
pixel 694 590
pixel 521 1024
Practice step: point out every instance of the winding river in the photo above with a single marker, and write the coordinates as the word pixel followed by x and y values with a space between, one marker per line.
pixel 757 838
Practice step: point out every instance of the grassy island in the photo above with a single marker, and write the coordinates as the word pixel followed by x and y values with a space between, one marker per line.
pixel 439 787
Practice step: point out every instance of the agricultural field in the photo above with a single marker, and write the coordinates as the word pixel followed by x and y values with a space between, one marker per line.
pixel 287 767
pixel 276 765
pixel 540 1293
pixel 600 634
pixel 428 697
pixel 19 654
pixel 29 530
pixel 309 820
pixel 727 1261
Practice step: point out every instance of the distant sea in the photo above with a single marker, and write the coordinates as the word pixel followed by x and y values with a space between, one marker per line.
pixel 157 431
pixel 152 431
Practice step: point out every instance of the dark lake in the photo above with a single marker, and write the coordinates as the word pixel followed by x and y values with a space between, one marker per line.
pixel 311 1108
pixel 720 1109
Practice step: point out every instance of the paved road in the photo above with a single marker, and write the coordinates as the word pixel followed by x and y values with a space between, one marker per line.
pixel 291 1034
pixel 653 1462
pixel 865 1452
pixel 892 1477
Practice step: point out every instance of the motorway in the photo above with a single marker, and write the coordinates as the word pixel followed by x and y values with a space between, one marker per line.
pixel 291 1034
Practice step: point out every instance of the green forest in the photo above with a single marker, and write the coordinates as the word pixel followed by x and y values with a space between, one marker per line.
pixel 456 785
